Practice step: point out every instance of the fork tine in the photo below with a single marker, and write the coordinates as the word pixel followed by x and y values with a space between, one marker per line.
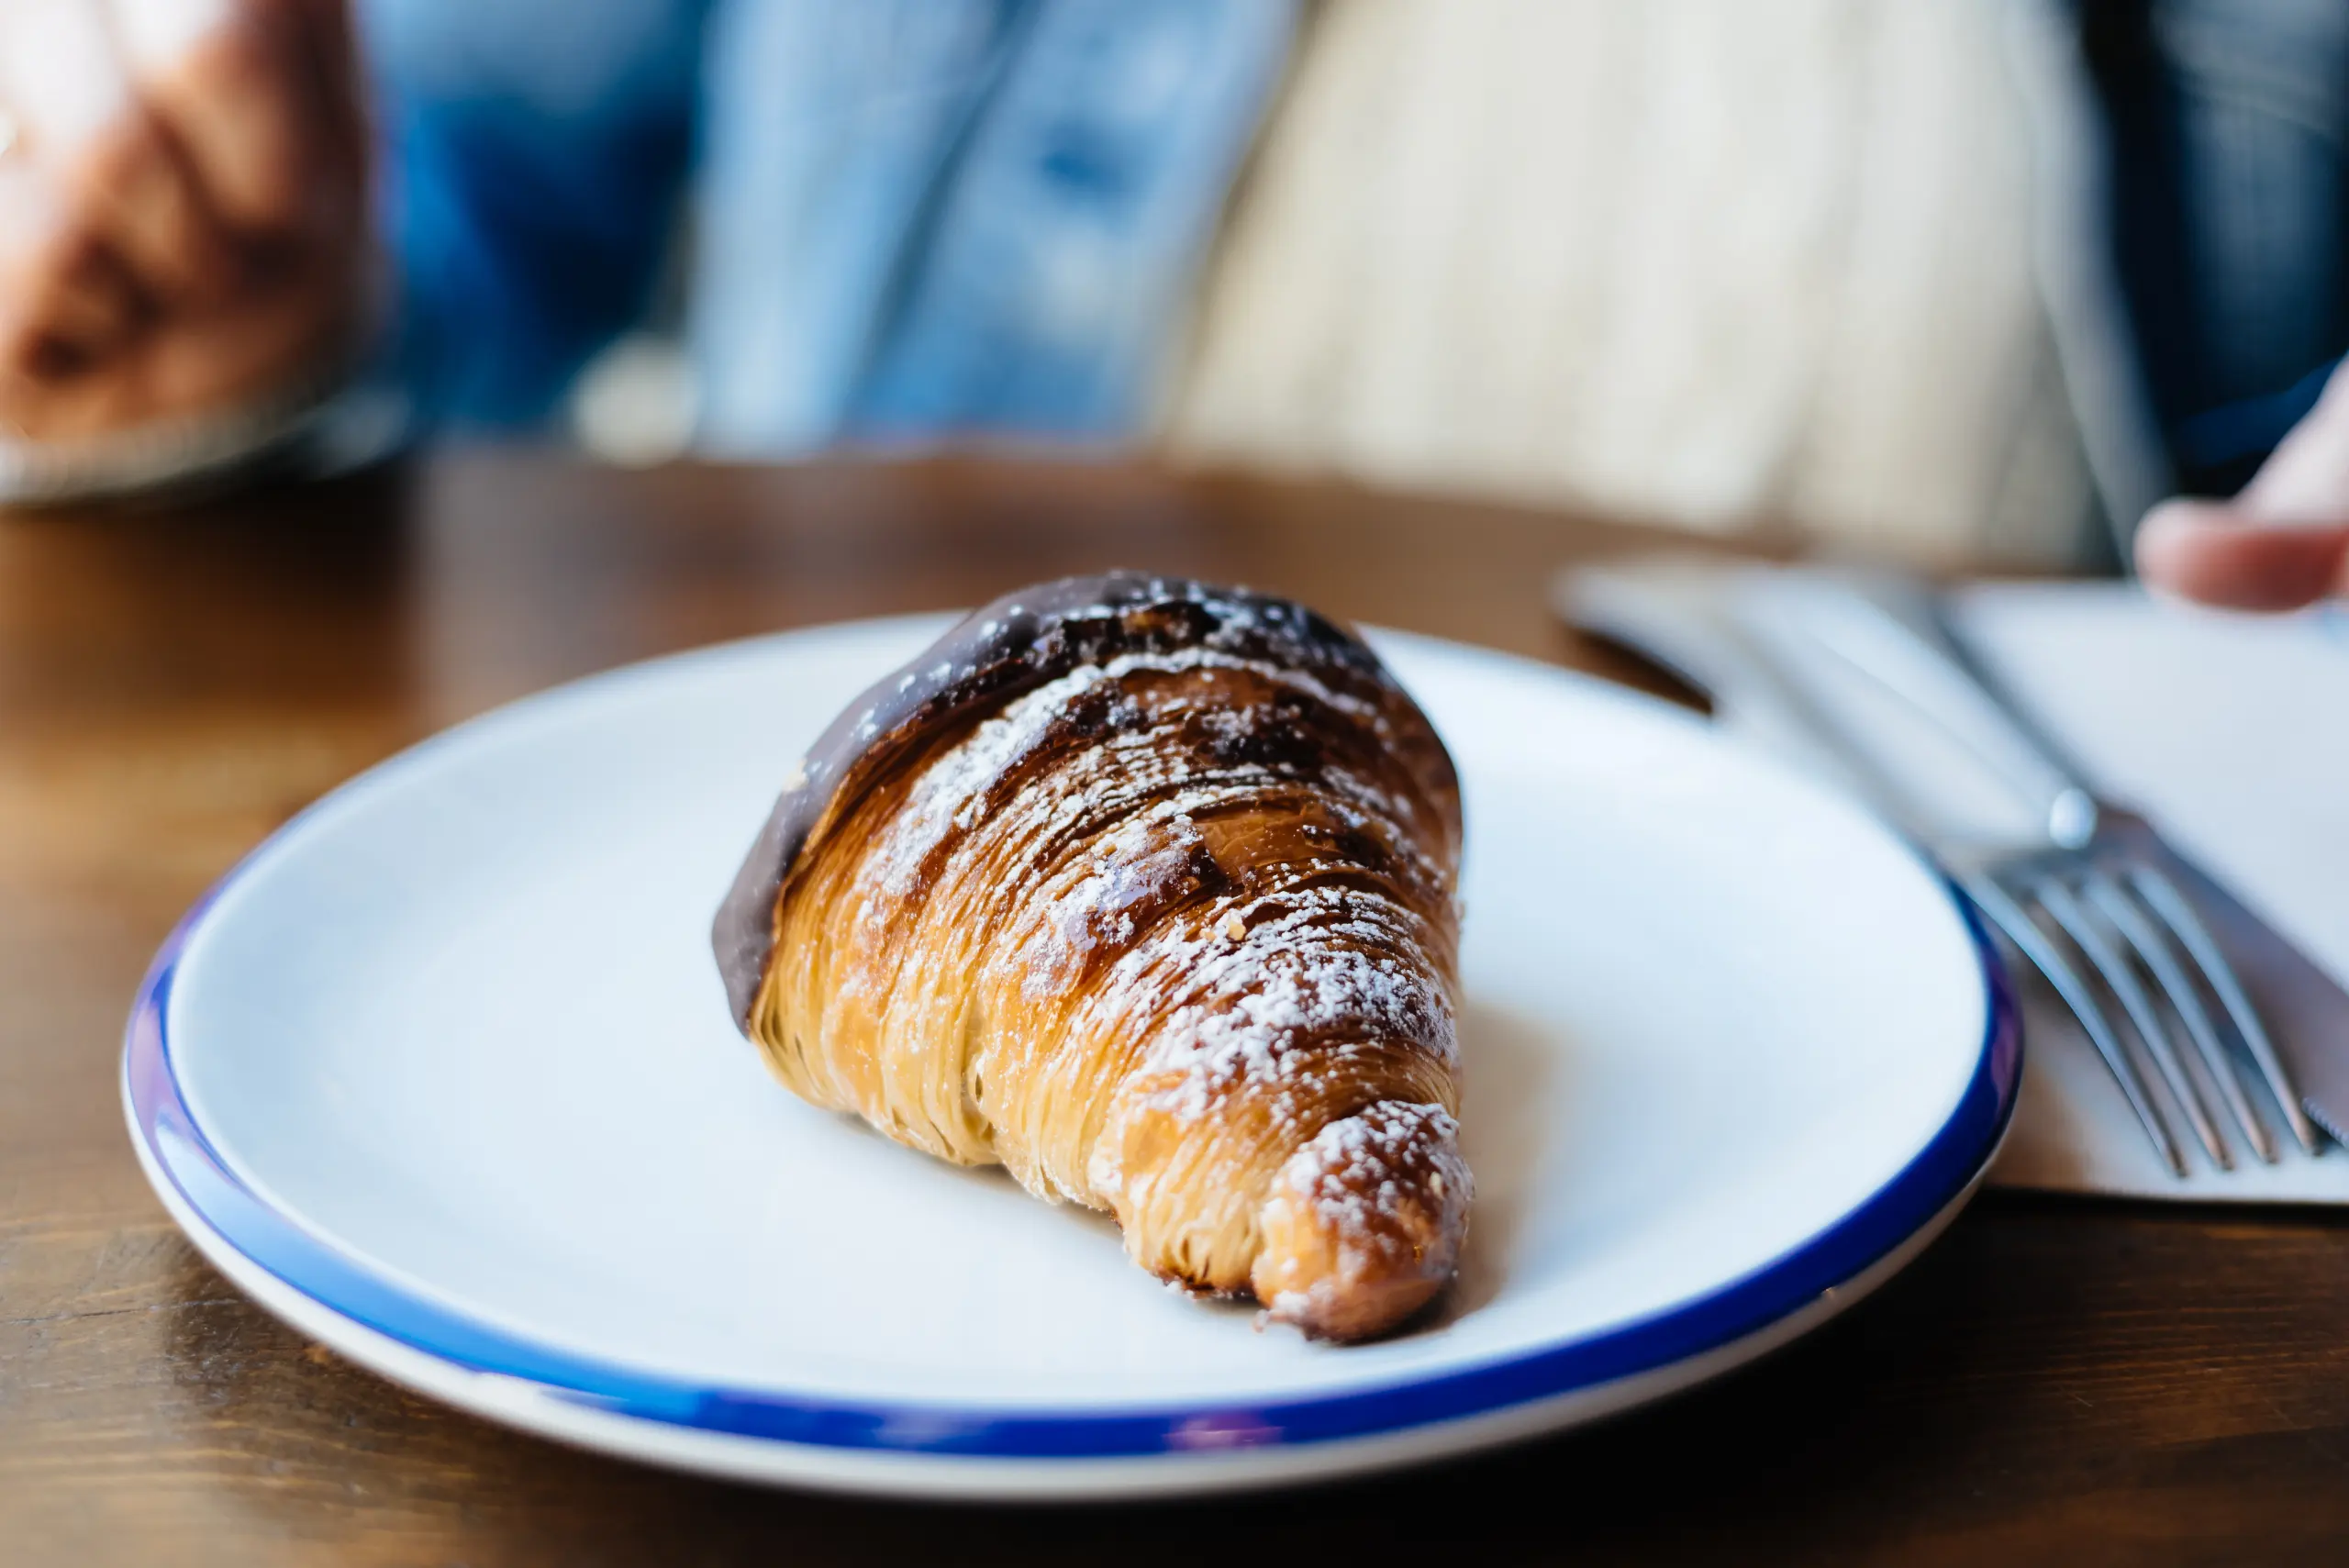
pixel 2140 931
pixel 2049 960
pixel 2059 903
pixel 2162 895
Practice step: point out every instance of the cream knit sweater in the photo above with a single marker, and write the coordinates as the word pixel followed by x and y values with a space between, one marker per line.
pixel 1710 262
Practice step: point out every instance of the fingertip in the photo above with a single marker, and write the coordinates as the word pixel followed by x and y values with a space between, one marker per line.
pixel 2164 546
pixel 2211 553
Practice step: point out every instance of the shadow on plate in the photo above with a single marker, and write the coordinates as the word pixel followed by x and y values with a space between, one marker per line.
pixel 1510 1078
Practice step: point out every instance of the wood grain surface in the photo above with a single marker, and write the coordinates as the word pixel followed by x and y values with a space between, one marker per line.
pixel 2056 1381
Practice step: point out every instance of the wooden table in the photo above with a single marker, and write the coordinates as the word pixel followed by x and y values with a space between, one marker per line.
pixel 2056 1381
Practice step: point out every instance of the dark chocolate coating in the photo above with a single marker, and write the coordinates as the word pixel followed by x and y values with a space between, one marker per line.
pixel 1025 639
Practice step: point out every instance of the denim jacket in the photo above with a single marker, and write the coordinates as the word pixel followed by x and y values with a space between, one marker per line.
pixel 908 216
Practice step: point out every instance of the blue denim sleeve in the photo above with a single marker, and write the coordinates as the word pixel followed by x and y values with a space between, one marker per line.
pixel 534 154
pixel 2229 123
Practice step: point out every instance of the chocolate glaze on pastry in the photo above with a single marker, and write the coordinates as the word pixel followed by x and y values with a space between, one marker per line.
pixel 1023 641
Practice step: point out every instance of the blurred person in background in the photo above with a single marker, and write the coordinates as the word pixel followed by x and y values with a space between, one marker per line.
pixel 1952 279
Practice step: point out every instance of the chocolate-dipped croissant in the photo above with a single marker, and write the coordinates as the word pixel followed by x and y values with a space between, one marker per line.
pixel 1145 889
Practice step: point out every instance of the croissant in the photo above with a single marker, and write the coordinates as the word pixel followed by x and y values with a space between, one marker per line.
pixel 1144 889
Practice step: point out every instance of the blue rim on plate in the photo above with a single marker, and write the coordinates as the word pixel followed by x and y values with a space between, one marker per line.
pixel 314 1267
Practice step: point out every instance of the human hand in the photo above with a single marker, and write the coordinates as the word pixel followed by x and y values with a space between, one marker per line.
pixel 182 205
pixel 2282 542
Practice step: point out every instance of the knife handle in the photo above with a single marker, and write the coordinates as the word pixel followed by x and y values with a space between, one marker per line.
pixel 1892 635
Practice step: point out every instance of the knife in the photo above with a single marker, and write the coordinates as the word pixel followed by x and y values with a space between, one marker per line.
pixel 1796 657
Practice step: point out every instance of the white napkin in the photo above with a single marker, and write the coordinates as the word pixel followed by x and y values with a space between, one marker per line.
pixel 2231 733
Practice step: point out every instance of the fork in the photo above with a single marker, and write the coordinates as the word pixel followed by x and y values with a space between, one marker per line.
pixel 2086 889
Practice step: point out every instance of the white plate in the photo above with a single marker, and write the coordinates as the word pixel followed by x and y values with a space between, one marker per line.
pixel 443 1076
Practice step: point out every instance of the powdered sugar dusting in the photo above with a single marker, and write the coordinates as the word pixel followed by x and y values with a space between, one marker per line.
pixel 1357 1171
pixel 1281 987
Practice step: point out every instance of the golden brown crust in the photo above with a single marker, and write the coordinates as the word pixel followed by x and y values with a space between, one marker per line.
pixel 1171 934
